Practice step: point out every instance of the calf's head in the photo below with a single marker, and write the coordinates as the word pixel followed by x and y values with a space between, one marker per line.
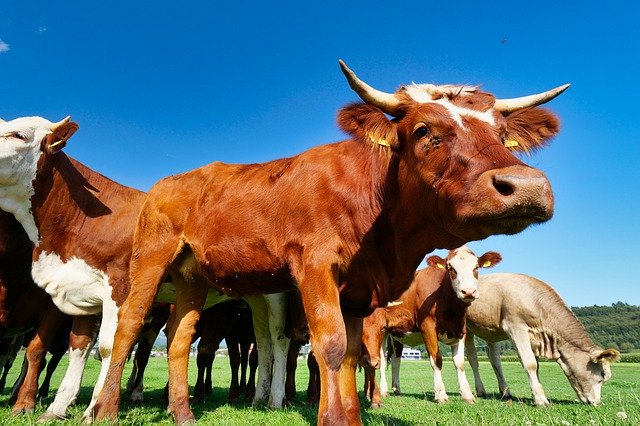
pixel 587 374
pixel 462 266
pixel 25 144
pixel 454 147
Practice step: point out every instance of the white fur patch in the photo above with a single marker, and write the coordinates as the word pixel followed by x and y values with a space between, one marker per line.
pixel 425 93
pixel 20 141
pixel 75 287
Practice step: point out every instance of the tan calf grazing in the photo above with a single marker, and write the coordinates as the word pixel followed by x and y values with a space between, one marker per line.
pixel 538 322
pixel 348 223
pixel 433 309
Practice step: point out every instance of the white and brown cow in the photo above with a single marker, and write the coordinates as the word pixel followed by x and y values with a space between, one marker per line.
pixel 533 316
pixel 81 226
pixel 433 309
pixel 348 223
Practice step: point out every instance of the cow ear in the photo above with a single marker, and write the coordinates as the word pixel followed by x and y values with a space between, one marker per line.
pixel 367 123
pixel 61 132
pixel 436 261
pixel 608 355
pixel 530 129
pixel 489 259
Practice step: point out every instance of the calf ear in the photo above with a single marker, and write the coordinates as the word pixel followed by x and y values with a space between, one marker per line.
pixel 369 124
pixel 489 259
pixel 530 129
pixel 609 355
pixel 60 134
pixel 437 261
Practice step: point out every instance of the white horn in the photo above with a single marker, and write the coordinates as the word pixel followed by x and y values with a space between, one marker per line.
pixel 386 102
pixel 54 126
pixel 507 106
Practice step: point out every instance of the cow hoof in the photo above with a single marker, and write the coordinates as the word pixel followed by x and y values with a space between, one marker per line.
pixel 468 400
pixel 376 405
pixel 397 392
pixel 19 411
pixel 48 416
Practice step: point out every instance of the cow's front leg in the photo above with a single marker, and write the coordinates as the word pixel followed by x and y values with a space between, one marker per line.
pixel 319 289
pixel 81 342
pixel 277 309
pixel 457 350
pixel 260 318
pixel 430 337
pixel 36 350
pixel 348 389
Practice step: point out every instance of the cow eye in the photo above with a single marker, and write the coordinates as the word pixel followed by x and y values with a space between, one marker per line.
pixel 421 132
pixel 15 135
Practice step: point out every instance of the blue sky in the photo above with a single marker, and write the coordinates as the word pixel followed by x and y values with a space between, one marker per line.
pixel 163 87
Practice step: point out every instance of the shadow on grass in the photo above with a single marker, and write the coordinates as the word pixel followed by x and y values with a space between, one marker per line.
pixel 154 408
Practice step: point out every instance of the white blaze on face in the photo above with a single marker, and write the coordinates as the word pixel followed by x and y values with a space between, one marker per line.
pixel 75 287
pixel 462 269
pixel 429 93
pixel 20 150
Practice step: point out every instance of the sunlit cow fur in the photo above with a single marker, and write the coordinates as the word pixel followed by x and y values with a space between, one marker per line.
pixel 533 316
pixel 347 222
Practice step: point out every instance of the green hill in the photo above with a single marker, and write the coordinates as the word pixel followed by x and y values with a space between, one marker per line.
pixel 616 326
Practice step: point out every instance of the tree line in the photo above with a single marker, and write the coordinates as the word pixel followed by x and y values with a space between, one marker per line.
pixel 616 326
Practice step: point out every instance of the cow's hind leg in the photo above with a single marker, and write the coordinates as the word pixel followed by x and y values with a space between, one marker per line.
pixel 493 352
pixel 190 298
pixel 472 356
pixel 148 268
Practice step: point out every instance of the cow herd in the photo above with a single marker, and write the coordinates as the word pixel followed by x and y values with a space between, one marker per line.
pixel 335 233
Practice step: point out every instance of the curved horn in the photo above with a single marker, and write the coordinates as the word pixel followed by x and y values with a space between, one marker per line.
pixel 54 126
pixel 507 106
pixel 386 102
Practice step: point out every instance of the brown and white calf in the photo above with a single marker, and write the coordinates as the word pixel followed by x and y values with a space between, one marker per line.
pixel 534 317
pixel 348 223
pixel 432 309
pixel 80 225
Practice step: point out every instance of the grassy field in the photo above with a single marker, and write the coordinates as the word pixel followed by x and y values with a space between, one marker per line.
pixel 621 400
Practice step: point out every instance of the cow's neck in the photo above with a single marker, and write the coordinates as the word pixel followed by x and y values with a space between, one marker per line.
pixel 15 198
pixel 67 194
pixel 452 305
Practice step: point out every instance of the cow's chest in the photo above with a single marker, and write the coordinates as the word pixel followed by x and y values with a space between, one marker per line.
pixel 75 287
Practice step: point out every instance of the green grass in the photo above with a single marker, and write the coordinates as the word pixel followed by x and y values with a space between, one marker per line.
pixel 620 396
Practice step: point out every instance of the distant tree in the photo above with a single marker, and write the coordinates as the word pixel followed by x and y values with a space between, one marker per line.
pixel 612 326
pixel 626 347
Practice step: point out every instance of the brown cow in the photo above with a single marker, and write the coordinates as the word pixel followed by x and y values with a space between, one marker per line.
pixel 232 322
pixel 434 308
pixel 347 222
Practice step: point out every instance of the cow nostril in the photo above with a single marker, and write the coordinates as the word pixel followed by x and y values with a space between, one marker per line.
pixel 503 185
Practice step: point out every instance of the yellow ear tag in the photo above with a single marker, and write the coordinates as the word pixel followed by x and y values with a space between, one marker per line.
pixel 486 264
pixel 511 143
pixel 440 265
pixel 380 141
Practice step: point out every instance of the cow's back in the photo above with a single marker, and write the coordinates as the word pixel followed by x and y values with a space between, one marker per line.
pixel 507 299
